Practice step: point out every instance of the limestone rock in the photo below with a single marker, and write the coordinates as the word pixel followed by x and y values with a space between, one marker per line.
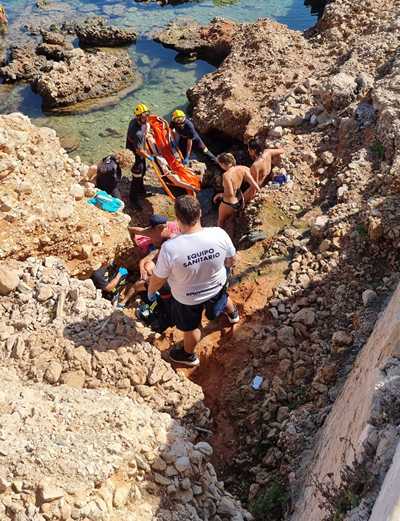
pixel 77 191
pixel 9 279
pixel 368 296
pixel 342 338
pixel 306 316
pixel 74 379
pixel 95 32
pixel 286 336
pixel 101 74
pixel 48 491
pixel 53 372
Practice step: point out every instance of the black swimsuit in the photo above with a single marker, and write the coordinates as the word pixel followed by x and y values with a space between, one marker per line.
pixel 239 205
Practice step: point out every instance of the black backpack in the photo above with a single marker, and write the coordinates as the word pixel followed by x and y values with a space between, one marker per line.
pixel 156 315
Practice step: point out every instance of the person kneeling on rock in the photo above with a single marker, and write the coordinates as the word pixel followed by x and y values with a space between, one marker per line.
pixel 108 171
pixel 111 280
pixel 194 264
pixel 187 138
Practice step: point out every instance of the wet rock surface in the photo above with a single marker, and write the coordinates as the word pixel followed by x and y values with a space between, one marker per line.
pixel 96 31
pixel 211 43
pixel 85 76
pixel 64 75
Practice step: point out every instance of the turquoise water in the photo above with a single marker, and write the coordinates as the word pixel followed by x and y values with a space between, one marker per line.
pixel 165 80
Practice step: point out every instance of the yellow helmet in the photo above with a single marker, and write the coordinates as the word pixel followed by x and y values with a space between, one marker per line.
pixel 141 109
pixel 178 114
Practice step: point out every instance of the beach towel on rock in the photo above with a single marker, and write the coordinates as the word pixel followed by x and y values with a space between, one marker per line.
pixel 106 202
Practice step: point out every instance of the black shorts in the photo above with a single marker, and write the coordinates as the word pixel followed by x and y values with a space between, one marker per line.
pixel 188 318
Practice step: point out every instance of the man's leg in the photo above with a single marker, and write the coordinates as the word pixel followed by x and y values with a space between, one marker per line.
pixel 137 184
pixel 116 193
pixel 232 312
pixel 187 319
pixel 191 339
pixel 131 291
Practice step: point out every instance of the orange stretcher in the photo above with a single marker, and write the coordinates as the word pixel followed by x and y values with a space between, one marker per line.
pixel 172 174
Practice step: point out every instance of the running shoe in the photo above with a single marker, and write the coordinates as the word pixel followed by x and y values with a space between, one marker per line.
pixel 180 356
pixel 233 317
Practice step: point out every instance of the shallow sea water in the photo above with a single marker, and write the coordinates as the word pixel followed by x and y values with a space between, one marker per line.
pixel 165 80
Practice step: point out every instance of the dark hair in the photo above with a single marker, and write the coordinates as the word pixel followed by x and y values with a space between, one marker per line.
pixel 255 145
pixel 187 210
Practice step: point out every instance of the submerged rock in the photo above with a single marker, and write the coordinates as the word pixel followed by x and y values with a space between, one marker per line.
pixel 95 31
pixel 85 76
pixel 23 64
pixel 211 43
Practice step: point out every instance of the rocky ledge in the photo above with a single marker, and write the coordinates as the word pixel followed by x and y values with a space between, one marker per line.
pixel 96 456
pixel 264 58
pixel 211 43
pixel 267 60
pixel 66 76
pixel 96 32
pixel 91 453
pixel 85 76
pixel 43 204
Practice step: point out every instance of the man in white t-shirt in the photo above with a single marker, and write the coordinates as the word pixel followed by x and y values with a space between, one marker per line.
pixel 195 265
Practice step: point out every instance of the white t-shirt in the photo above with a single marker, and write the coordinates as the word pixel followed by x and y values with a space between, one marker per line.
pixel 194 264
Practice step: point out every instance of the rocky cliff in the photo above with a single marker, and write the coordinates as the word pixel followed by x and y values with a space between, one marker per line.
pixel 43 201
pixel 109 451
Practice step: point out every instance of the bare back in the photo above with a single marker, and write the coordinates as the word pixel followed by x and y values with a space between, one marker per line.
pixel 232 181
pixel 260 169
pixel 262 166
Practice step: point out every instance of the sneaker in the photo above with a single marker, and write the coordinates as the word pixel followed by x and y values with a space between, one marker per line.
pixel 234 316
pixel 180 356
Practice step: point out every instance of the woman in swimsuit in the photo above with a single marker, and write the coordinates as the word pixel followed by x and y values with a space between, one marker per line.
pixel 232 198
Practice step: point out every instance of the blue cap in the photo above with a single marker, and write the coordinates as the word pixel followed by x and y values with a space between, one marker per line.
pixel 156 219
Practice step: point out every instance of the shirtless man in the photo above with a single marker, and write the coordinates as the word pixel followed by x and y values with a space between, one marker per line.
pixel 263 162
pixel 232 198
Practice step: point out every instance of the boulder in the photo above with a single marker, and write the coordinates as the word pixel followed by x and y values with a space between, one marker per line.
pixel 53 372
pixel 305 316
pixel 337 91
pixel 84 77
pixel 368 296
pixel 342 338
pixel 9 279
pixel 319 225
pixel 96 32
pixel 286 336
pixel 211 43
pixel 47 491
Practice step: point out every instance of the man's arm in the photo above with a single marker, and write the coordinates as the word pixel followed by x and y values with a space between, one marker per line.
pixel 155 284
pixel 142 153
pixel 163 268
pixel 149 257
pixel 276 151
pixel 91 173
pixel 113 283
pixel 256 172
pixel 189 145
pixel 230 261
pixel 249 178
